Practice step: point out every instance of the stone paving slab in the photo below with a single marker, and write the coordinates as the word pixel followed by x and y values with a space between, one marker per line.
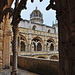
pixel 21 72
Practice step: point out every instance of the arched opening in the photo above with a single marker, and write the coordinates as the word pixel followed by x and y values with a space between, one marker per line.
pixel 41 57
pixel 22 46
pixel 54 57
pixel 33 28
pixel 51 47
pixel 35 39
pixel 37 44
pixel 39 47
pixel 49 31
pixel 50 44
pixel 22 43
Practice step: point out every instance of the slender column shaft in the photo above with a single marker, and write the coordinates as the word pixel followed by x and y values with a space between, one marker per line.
pixel 15 50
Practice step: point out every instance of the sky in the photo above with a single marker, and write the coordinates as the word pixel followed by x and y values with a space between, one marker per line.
pixel 48 16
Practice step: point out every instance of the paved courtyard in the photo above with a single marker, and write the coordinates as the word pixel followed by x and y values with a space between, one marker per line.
pixel 21 72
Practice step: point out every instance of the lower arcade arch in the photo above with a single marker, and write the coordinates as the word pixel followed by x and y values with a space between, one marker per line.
pixel 55 57
pixel 41 57
pixel 50 44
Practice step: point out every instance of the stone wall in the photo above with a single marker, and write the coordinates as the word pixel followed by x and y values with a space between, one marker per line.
pixel 28 35
pixel 5 41
pixel 40 66
pixel 40 27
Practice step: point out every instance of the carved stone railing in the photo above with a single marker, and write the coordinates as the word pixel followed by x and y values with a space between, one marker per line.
pixel 39 53
pixel 37 65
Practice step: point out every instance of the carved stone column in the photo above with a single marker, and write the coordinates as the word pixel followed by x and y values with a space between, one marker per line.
pixel 26 48
pixel 15 50
pixel 42 47
pixel 48 46
pixel 54 47
pixel 32 48
pixel 29 47
pixel 29 44
pixel 45 47
pixel 36 45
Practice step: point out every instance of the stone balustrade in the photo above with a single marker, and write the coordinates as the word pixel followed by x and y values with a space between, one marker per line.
pixel 37 65
pixel 39 53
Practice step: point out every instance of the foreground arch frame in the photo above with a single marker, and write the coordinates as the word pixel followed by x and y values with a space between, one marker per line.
pixel 66 23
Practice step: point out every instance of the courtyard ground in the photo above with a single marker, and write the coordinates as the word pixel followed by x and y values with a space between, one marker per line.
pixel 21 72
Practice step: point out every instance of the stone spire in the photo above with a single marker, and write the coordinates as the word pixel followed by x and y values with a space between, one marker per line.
pixel 36 7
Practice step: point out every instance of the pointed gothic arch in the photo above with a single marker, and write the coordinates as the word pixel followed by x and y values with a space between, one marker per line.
pixel 51 44
pixel 23 38
pixel 34 27
pixel 37 41
pixel 37 38
pixel 51 40
pixel 55 57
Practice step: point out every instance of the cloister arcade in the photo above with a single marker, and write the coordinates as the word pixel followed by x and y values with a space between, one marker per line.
pixel 36 44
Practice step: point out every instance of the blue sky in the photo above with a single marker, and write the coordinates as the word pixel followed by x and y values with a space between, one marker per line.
pixel 48 16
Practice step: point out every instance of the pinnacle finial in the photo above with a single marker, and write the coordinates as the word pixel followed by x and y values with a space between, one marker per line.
pixel 36 7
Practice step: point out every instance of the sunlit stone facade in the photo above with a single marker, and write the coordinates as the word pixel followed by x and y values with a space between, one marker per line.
pixel 37 39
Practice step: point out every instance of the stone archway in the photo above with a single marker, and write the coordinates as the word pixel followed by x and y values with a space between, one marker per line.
pixel 22 38
pixel 22 43
pixel 34 46
pixel 37 42
pixel 55 57
pixel 41 57
pixel 39 39
pixel 51 40
pixel 50 44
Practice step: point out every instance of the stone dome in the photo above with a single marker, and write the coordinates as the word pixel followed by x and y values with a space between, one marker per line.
pixel 36 16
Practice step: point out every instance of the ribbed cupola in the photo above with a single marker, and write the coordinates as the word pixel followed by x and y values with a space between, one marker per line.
pixel 36 16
